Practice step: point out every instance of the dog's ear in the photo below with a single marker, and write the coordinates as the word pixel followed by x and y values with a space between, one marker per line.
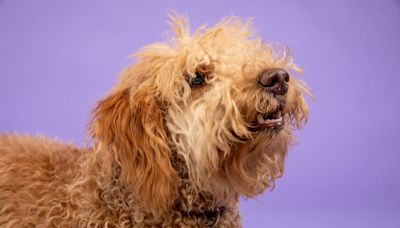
pixel 129 126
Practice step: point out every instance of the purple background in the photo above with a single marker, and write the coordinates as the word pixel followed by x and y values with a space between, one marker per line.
pixel 58 57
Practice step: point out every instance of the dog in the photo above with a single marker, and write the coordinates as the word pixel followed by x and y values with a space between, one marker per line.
pixel 194 124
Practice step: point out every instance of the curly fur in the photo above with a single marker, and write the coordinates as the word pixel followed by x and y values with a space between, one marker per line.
pixel 162 149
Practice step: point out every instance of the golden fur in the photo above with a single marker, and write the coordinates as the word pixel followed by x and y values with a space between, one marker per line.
pixel 161 149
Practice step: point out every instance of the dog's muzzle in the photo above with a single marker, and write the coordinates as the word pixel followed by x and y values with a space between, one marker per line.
pixel 275 81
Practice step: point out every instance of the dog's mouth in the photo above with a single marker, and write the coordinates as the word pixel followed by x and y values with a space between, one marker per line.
pixel 270 121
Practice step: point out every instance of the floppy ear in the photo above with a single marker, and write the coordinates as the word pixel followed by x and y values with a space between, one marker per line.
pixel 131 128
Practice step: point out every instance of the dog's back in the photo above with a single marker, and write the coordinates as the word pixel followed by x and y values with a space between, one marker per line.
pixel 34 176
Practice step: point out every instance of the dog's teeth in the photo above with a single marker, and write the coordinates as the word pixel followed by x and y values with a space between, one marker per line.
pixel 273 122
pixel 277 120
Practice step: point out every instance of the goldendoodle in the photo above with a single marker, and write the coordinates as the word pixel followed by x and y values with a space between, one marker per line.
pixel 195 123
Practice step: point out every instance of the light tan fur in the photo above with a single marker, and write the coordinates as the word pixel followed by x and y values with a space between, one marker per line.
pixel 162 149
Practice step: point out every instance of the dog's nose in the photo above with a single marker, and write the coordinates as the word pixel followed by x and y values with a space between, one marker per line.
pixel 275 80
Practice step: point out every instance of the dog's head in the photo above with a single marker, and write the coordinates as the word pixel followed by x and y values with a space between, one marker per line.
pixel 222 100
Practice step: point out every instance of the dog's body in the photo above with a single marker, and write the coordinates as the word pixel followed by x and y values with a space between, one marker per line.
pixel 190 127
pixel 45 183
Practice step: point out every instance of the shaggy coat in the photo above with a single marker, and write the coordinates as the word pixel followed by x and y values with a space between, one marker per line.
pixel 187 130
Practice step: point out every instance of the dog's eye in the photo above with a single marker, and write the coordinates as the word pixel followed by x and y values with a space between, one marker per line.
pixel 197 81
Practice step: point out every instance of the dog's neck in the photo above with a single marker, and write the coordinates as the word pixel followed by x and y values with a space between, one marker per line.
pixel 189 202
pixel 205 198
pixel 201 205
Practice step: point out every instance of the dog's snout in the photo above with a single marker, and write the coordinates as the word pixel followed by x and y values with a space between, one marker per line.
pixel 275 80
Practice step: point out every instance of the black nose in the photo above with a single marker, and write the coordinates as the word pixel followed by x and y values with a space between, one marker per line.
pixel 275 80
